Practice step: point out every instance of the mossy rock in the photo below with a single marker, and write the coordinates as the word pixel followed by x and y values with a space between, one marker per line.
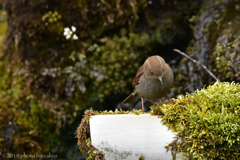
pixel 215 44
pixel 206 123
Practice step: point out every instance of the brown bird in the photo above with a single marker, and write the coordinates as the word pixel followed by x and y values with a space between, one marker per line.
pixel 152 81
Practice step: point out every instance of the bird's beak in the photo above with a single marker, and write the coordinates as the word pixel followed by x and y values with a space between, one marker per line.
pixel 160 79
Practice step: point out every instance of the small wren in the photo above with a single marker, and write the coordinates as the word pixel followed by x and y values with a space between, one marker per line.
pixel 152 81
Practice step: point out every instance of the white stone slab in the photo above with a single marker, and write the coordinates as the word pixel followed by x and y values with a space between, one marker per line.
pixel 126 137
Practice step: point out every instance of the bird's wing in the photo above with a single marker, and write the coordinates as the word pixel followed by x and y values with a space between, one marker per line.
pixel 136 79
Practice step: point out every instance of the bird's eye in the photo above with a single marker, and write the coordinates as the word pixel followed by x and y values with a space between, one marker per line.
pixel 151 72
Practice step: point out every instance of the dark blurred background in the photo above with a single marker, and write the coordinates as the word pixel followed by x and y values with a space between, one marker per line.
pixel 59 58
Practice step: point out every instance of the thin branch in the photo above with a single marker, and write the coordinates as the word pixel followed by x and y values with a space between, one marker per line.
pixel 211 74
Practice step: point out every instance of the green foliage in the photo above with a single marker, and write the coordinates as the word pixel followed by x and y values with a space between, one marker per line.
pixel 3 25
pixel 51 17
pixel 110 37
pixel 60 67
pixel 207 122
pixel 26 120
pixel 48 78
pixel 112 56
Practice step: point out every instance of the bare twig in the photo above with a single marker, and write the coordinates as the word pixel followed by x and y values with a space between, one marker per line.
pixel 211 74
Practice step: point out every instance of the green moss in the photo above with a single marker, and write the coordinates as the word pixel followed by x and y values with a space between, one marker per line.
pixel 83 131
pixel 207 121
pixel 3 26
pixel 93 152
pixel 113 54
pixel 22 113
pixel 141 157
pixel 51 17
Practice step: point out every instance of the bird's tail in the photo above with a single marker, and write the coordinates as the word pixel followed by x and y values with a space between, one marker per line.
pixel 130 98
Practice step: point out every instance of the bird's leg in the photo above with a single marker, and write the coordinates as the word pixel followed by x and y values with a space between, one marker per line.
pixel 142 104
